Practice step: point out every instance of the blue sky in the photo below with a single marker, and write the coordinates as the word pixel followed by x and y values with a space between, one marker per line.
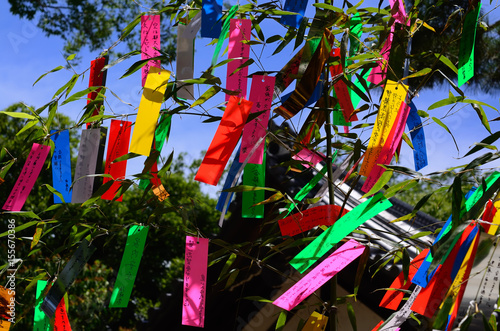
pixel 27 53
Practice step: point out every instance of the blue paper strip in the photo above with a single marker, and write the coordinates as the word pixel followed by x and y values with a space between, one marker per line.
pixel 61 166
pixel 462 252
pixel 296 6
pixel 414 124
pixel 211 14
pixel 235 166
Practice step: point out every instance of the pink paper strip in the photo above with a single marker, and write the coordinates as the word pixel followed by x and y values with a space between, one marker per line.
pixel 239 30
pixel 389 148
pixel 339 259
pixel 398 12
pixel 377 75
pixel 309 157
pixel 150 39
pixel 195 282
pixel 27 178
pixel 261 94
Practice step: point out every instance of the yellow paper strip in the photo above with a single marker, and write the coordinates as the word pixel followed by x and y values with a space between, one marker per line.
pixel 394 95
pixel 496 219
pixel 149 110
pixel 315 322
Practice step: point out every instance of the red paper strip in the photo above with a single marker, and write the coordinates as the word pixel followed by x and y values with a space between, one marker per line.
pixel 225 140
pixel 389 148
pixel 195 281
pixel 341 90
pixel 150 39
pixel 27 178
pixel 239 31
pixel 392 298
pixel 489 213
pixel 261 94
pixel 309 218
pixel 61 322
pixel 430 297
pixel 119 139
pixel 97 77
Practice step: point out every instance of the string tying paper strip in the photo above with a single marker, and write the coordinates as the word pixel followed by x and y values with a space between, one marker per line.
pixel 195 282
pixel 27 178
pixel 318 276
pixel 150 43
pixel 225 140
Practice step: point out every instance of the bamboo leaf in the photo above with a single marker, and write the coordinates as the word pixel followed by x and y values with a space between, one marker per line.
pixel 441 124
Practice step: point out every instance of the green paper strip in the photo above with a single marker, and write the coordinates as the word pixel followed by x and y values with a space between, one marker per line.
pixel 355 98
pixel 223 33
pixel 355 32
pixel 161 136
pixel 474 198
pixel 466 52
pixel 129 266
pixel 309 186
pixel 41 321
pixel 254 175
pixel 338 231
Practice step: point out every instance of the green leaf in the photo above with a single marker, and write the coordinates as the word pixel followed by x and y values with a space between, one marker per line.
pixel 420 73
pixel 21 227
pixel 300 33
pixel 207 95
pixel 352 316
pixel 485 142
pixel 80 94
pixel 141 63
pixel 246 188
pixel 447 61
pixel 328 7
pixel 45 74
pixel 441 124
pixel 384 179
pixel 482 116
pixel 18 114
pixel 280 324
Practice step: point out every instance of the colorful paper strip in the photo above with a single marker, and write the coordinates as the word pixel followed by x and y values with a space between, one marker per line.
pixel 414 124
pixel 211 14
pixel 225 140
pixel 41 322
pixel 27 178
pixel 150 42
pixel 337 261
pixel 338 231
pixel 310 218
pixel 296 6
pixel 225 197
pixel 195 282
pixel 61 321
pixel 239 50
pixel 149 109
pixel 61 165
pixel 131 259
pixel 467 42
pixel 254 175
pixel 185 63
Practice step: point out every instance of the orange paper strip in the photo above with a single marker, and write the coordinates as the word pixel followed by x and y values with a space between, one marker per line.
pixel 225 140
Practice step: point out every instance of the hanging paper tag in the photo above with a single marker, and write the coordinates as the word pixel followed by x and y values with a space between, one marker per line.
pixel 295 6
pixel 261 94
pixel 393 323
pixel 467 42
pixel 496 217
pixel 149 109
pixel 416 129
pixel 287 74
pixel 394 95
pixel 239 49
pixel 185 63
pixel 398 12
pixel 195 282
pixel 389 148
pixel 61 322
pixel 131 259
pixel 88 163
pixel 309 158
pixel 7 297
pixel 41 321
pixel 193 27
pixel 119 138
pixel 97 77
pixel 4 325
pixel 150 42
pixel 225 197
pixel 27 178
pixel 339 259
pixel 225 140
pixel 211 15
pixel 309 218
pixel 377 74
pixel 67 277
pixel 61 165
pixel 254 175
pixel 316 322
pixel 341 90
pixel 338 231
pixel 160 192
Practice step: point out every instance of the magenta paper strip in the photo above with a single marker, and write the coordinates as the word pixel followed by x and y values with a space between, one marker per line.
pixel 339 259
pixel 195 282
pixel 261 94
pixel 27 178
pixel 308 157
pixel 389 148
pixel 239 30
pixel 377 74
pixel 150 39
pixel 398 12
